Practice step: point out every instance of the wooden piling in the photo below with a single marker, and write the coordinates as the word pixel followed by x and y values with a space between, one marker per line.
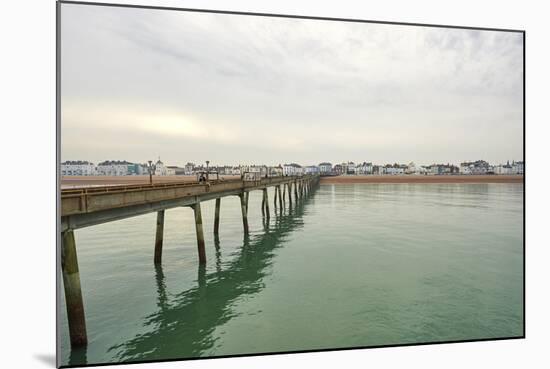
pixel 200 234
pixel 217 216
pixel 159 237
pixel 278 188
pixel 284 192
pixel 263 202
pixel 244 211
pixel 266 203
pixel 275 198
pixel 296 190
pixel 73 291
pixel 289 185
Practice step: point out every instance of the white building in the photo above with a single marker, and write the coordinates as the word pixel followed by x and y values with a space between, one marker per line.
pixel 509 169
pixel 518 167
pixel 348 168
pixel 422 170
pixel 411 168
pixel 293 169
pixel 465 168
pixel 363 168
pixel 117 168
pixel 160 168
pixel 312 169
pixel 276 171
pixel 259 171
pixel 188 169
pixel 394 169
pixel 325 168
pixel 476 167
pixel 505 169
pixel 171 170
pixel 77 168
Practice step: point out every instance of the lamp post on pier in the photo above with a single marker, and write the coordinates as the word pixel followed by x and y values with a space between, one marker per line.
pixel 151 168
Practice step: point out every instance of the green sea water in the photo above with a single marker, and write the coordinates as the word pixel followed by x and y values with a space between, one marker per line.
pixel 347 266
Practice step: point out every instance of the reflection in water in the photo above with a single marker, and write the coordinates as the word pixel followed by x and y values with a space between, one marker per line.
pixel 183 328
pixel 218 252
pixel 78 356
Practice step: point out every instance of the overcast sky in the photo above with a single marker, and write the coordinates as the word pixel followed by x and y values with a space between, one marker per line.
pixel 233 89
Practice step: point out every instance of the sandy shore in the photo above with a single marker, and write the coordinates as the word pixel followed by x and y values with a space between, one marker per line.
pixel 79 181
pixel 423 179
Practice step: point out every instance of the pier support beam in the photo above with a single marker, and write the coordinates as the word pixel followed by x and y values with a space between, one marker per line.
pixel 275 194
pixel 244 211
pixel 289 185
pixel 284 192
pixel 296 190
pixel 159 236
pixel 266 197
pixel 200 234
pixel 278 189
pixel 217 216
pixel 263 202
pixel 73 291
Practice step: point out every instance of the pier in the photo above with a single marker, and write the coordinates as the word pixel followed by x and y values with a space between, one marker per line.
pixel 85 207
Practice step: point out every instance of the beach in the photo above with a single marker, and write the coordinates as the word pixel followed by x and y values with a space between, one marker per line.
pixel 82 181
pixel 423 179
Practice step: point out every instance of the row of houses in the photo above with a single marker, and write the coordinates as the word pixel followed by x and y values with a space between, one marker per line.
pixel 478 167
pixel 368 168
pixel 113 168
pixel 482 167
pixel 123 167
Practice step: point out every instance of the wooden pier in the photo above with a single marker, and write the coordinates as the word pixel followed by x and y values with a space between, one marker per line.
pixel 84 207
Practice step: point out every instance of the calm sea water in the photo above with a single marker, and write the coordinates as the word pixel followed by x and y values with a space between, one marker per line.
pixel 351 265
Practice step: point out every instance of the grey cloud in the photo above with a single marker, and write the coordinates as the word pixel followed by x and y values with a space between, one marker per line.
pixel 350 91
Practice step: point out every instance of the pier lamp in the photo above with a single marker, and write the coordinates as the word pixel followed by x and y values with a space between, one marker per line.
pixel 207 171
pixel 151 168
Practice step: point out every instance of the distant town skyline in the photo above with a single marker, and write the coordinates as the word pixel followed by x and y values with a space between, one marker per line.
pixel 138 84
pixel 213 164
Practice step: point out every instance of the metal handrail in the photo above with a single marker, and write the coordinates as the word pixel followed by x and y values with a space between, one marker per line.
pixel 77 192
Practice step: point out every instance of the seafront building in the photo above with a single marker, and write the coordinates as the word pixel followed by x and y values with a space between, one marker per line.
pixel 475 167
pixel 118 168
pixel 325 168
pixel 77 168
pixel 292 169
pixel 312 169
pixel 348 168
pixel 125 168
pixel 509 169
pixel 364 168
pixel 394 169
